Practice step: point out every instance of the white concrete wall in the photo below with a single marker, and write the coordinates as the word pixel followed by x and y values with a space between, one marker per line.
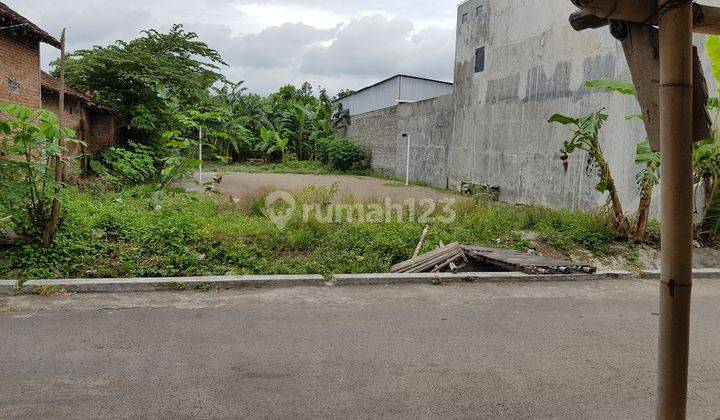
pixel 536 65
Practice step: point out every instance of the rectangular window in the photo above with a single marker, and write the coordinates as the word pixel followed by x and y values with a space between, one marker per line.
pixel 480 60
pixel 478 11
pixel 464 18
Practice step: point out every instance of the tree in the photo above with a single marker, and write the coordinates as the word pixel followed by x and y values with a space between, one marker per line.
pixel 344 93
pixel 31 145
pixel 135 77
pixel 585 136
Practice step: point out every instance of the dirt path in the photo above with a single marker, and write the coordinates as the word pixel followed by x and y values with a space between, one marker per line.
pixel 240 184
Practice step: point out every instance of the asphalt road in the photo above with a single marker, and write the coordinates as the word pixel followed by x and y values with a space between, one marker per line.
pixel 567 350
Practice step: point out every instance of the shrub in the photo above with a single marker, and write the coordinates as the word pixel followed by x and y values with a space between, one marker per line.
pixel 125 167
pixel 30 151
pixel 344 155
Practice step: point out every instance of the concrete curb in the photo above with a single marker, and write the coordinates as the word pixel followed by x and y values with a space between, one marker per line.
pixel 697 273
pixel 172 283
pixel 499 277
pixel 8 286
pixel 236 282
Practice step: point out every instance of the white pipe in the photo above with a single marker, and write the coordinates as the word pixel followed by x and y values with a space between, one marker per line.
pixel 201 155
pixel 407 164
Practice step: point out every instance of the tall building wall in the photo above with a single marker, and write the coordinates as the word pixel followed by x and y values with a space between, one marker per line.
pixel 518 62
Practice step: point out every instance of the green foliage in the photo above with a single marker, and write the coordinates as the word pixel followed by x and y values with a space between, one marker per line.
pixel 138 233
pixel 713 51
pixel 585 137
pixel 30 141
pixel 291 120
pixel 135 77
pixel 125 167
pixel 613 85
pixel 649 176
pixel 344 155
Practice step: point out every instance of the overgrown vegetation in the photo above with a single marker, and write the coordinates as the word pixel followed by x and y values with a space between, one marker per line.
pixel 32 146
pixel 168 87
pixel 137 232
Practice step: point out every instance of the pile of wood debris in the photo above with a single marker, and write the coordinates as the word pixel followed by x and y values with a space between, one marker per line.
pixel 456 257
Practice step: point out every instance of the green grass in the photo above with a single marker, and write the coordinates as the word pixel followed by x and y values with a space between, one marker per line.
pixel 107 234
pixel 304 167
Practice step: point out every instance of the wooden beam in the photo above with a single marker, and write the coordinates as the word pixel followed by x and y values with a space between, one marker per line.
pixel 593 15
pixel 637 11
pixel 641 49
pixel 582 20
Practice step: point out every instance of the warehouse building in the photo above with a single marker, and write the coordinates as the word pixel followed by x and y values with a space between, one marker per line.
pixel 375 114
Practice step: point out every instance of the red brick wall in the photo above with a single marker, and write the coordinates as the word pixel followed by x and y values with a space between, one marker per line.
pixel 102 129
pixel 75 115
pixel 19 70
pixel 93 126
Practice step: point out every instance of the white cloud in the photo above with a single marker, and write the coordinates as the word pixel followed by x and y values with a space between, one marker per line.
pixel 269 43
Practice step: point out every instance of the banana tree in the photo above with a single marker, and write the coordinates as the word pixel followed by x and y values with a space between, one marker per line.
pixel 585 137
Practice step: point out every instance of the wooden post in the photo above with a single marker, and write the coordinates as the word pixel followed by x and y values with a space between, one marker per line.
pixel 49 230
pixel 676 70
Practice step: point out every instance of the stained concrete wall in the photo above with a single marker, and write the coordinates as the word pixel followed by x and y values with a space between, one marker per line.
pixel 429 126
pixel 536 65
pixel 377 131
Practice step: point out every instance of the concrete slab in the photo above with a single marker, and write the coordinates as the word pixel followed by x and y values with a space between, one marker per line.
pixel 485 277
pixel 698 273
pixel 173 283
pixel 7 286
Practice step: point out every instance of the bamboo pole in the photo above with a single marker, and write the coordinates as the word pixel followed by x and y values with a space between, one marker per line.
pixel 676 69
pixel 49 230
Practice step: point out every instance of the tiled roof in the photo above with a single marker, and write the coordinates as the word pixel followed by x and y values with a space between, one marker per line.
pixel 52 84
pixel 9 17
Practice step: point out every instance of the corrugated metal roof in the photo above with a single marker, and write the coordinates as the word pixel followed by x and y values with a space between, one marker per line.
pixel 394 77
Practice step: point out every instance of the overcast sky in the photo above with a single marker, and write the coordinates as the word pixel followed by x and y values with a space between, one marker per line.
pixel 267 43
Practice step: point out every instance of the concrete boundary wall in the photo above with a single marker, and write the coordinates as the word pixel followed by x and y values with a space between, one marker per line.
pixel 429 127
pixel 377 132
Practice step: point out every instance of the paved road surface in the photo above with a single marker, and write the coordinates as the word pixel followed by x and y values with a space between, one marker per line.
pixel 570 350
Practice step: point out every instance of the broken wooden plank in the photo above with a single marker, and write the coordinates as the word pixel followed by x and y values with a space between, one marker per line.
pixel 421 242
pixel 423 258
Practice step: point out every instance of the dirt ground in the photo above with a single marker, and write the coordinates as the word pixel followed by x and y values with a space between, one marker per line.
pixel 239 184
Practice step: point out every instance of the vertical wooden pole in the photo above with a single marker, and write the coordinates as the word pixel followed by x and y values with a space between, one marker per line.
pixel 200 136
pixel 676 62
pixel 49 230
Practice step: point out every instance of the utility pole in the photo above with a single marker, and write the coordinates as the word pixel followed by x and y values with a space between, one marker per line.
pixel 676 132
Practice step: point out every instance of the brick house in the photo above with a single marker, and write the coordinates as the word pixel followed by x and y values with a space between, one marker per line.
pixel 23 82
